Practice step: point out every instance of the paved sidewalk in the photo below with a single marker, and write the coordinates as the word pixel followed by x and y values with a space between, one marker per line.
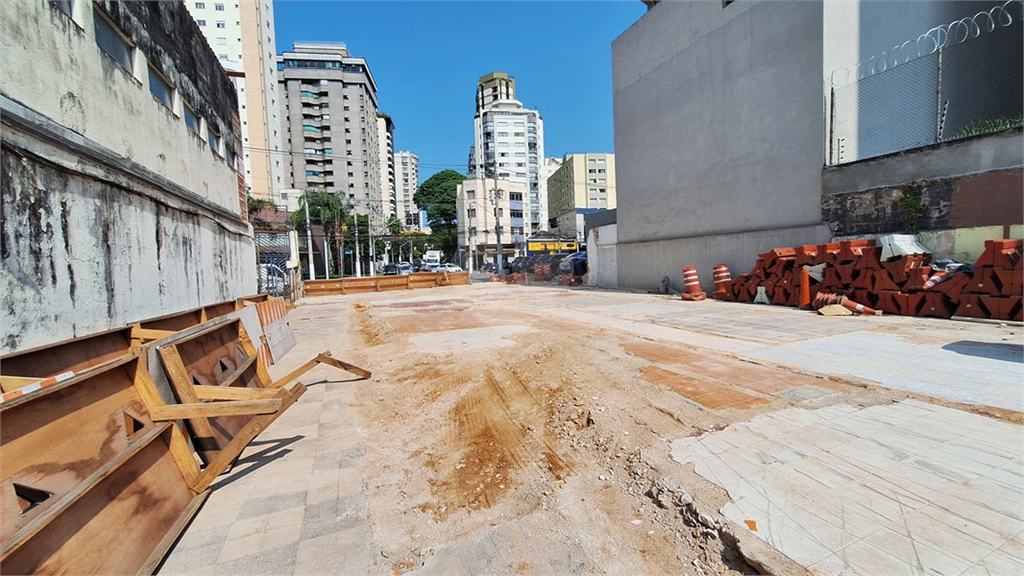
pixel 906 488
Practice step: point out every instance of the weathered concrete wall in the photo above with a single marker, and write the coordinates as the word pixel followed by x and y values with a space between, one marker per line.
pixel 53 65
pixel 601 256
pixel 90 250
pixel 965 184
pixel 718 131
pixel 643 264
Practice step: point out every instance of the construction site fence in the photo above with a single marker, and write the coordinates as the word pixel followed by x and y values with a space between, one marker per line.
pixel 954 81
pixel 384 283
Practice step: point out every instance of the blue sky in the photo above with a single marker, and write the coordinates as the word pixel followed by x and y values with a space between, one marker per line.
pixel 426 58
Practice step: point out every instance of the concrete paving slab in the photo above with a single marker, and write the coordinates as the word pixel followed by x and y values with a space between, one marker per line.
pixel 889 499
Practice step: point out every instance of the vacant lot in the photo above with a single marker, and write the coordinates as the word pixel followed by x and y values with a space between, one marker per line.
pixel 534 430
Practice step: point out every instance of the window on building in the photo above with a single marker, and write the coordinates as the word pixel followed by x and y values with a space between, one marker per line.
pixel 504 144
pixel 600 170
pixel 520 154
pixel 160 88
pixel 503 164
pixel 112 41
pixel 592 161
pixel 201 22
pixel 218 7
pixel 520 145
pixel 201 5
pixel 213 139
pixel 502 124
pixel 470 195
pixel 471 213
pixel 503 134
pixel 600 160
pixel 518 124
pixel 191 118
pixel 229 156
pixel 222 24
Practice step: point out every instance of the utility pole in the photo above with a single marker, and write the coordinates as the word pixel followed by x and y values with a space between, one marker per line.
pixel 309 236
pixel 359 266
pixel 495 197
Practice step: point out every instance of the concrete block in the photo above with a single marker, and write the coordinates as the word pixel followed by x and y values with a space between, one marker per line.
pixel 971 307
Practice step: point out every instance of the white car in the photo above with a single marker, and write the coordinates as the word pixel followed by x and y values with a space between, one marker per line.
pixel 449 268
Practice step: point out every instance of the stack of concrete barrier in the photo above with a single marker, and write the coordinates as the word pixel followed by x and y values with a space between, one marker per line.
pixel 904 285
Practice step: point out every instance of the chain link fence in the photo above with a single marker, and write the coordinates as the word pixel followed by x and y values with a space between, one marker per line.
pixel 954 81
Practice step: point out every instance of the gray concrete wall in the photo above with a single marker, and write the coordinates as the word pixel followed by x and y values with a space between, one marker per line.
pixel 718 134
pixel 642 264
pixel 602 266
pixel 87 247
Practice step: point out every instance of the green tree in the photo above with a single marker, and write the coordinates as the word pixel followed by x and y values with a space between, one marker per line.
pixel 325 209
pixel 255 206
pixel 437 196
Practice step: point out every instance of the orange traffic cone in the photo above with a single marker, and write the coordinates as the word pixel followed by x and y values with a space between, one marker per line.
pixel 722 280
pixel 693 291
pixel 935 279
pixel 805 288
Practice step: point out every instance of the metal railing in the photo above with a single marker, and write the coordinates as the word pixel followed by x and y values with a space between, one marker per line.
pixel 956 80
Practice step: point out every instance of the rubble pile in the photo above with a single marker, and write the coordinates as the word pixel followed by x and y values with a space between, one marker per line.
pixel 871 274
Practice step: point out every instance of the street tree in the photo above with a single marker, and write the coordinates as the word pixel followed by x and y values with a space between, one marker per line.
pixel 325 209
pixel 437 196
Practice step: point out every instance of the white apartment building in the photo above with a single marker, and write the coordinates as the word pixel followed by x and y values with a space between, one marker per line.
pixel 241 34
pixel 480 211
pixel 508 144
pixel 407 166
pixel 386 146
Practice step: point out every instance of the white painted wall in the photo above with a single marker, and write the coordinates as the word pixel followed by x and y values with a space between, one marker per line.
pixel 601 257
pixel 55 67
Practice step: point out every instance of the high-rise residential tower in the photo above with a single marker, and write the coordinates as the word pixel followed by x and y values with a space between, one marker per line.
pixel 386 146
pixel 407 182
pixel 508 143
pixel 330 121
pixel 241 33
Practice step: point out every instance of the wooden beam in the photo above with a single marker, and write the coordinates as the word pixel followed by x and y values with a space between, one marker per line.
pixel 144 334
pixel 227 455
pixel 327 359
pixel 182 382
pixel 215 409
pixel 233 393
pixel 294 374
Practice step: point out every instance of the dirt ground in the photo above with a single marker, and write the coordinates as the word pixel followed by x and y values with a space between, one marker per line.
pixel 504 440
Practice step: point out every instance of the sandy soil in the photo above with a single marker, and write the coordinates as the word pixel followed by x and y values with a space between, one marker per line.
pixel 510 442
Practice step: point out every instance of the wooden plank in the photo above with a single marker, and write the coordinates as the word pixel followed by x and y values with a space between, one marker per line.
pixel 237 373
pixel 233 393
pixel 227 455
pixel 326 358
pixel 183 455
pixel 154 560
pixel 145 334
pixel 182 383
pixel 8 383
pixel 115 526
pixel 215 409
pixel 84 375
pixel 250 350
pixel 64 502
pixel 295 374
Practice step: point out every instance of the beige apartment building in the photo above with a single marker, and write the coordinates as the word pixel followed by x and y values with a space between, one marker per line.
pixel 241 34
pixel 584 183
pixel 480 211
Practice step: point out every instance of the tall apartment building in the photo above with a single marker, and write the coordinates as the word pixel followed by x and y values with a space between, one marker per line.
pixel 330 121
pixel 386 148
pixel 508 144
pixel 408 181
pixel 584 183
pixel 241 34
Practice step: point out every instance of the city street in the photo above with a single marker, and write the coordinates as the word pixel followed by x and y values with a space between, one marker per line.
pixel 541 430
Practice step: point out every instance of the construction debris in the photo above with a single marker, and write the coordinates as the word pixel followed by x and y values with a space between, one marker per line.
pixel 906 283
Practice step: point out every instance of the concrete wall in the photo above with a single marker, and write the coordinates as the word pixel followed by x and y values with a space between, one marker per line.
pixel 718 132
pixel 602 265
pixel 111 209
pixel 53 65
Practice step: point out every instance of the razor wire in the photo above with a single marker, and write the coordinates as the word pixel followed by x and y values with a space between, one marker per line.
pixel 954 81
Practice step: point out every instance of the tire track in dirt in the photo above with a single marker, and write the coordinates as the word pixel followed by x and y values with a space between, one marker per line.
pixel 495 440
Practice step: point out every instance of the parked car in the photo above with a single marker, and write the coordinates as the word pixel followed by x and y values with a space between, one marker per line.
pixel 569 265
pixel 528 263
pixel 516 265
pixel 449 267
pixel 404 268
pixel 390 270
pixel 542 259
pixel 554 261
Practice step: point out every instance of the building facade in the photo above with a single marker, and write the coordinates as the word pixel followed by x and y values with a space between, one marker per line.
pixel 582 184
pixel 330 118
pixel 480 211
pixel 407 182
pixel 508 144
pixel 241 34
pixel 386 147
pixel 121 193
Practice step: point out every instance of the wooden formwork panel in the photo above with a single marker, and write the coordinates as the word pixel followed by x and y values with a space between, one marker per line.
pixel 69 356
pixel 452 278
